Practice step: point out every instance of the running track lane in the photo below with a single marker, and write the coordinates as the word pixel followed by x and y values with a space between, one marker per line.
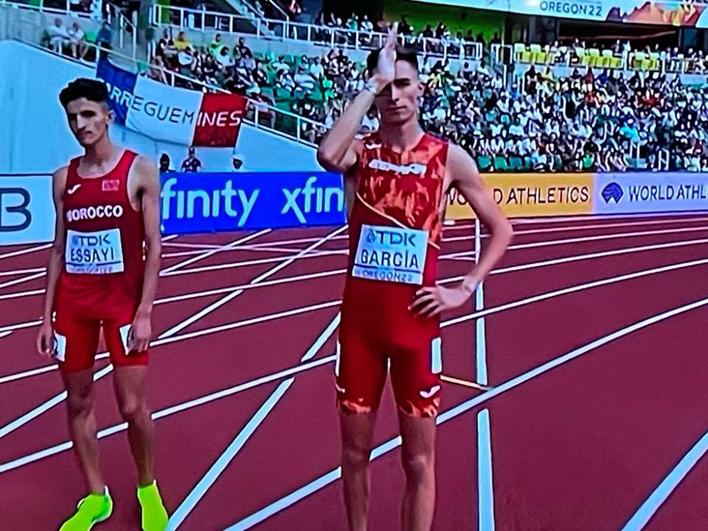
pixel 581 448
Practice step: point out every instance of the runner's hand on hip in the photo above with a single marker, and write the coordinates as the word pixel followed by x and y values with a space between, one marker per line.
pixel 432 300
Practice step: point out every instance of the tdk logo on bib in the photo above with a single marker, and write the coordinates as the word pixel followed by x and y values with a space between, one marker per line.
pixel 391 254
pixel 94 253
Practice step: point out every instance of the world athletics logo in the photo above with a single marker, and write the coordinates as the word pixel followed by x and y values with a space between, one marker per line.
pixel 612 192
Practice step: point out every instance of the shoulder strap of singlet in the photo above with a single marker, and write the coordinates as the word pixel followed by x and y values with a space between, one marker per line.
pixel 72 171
pixel 125 162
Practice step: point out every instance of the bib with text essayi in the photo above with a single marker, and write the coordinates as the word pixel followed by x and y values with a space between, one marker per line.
pixel 391 254
pixel 94 253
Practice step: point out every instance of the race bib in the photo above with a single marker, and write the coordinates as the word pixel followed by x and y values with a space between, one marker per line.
pixel 391 254
pixel 94 253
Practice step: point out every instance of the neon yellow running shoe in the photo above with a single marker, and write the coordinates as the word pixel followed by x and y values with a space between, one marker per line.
pixel 154 514
pixel 91 510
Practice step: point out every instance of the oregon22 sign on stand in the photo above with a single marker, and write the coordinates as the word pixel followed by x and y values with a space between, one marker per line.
pixel 218 202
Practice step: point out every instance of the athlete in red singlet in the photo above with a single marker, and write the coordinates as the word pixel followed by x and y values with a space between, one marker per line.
pixel 102 275
pixel 397 182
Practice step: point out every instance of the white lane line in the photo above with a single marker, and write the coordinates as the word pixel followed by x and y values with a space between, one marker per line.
pixel 21 280
pixel 485 499
pixel 15 272
pixel 584 239
pixel 485 481
pixel 203 255
pixel 254 248
pixel 26 251
pixel 672 480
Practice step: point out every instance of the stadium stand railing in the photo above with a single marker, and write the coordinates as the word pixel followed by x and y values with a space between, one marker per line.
pixel 286 30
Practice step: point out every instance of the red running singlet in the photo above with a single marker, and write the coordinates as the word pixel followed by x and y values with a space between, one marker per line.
pixel 394 241
pixel 102 277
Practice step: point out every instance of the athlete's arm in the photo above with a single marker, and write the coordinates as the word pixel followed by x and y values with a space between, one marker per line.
pixel 338 151
pixel 45 337
pixel 463 175
pixel 349 191
pixel 468 181
pixel 146 183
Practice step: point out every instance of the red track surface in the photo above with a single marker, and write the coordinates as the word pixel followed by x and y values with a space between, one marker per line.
pixel 580 446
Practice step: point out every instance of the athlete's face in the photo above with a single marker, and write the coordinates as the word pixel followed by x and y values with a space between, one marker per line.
pixel 88 120
pixel 398 102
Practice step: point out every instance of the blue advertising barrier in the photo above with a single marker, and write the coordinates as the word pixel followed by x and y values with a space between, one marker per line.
pixel 219 202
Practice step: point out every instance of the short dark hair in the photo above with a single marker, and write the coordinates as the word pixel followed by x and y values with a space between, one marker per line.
pixel 91 89
pixel 409 55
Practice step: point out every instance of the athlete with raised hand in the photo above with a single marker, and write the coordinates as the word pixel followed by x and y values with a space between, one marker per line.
pixel 396 183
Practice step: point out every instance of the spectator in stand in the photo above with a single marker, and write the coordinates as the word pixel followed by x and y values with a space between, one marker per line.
pixel 58 35
pixel 104 38
pixel 182 42
pixel 77 41
pixel 191 163
pixel 165 164
pixel 216 45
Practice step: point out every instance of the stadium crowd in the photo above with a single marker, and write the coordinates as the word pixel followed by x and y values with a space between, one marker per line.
pixel 614 121
pixel 592 120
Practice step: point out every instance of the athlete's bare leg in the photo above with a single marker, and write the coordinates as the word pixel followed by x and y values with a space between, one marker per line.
pixel 357 438
pixel 129 383
pixel 418 456
pixel 82 426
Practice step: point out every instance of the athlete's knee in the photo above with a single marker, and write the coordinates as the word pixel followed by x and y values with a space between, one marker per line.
pixel 355 456
pixel 419 467
pixel 132 409
pixel 79 404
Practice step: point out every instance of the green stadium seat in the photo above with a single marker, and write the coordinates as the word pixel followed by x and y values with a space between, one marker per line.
pixel 557 162
pixel 500 163
pixel 484 162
